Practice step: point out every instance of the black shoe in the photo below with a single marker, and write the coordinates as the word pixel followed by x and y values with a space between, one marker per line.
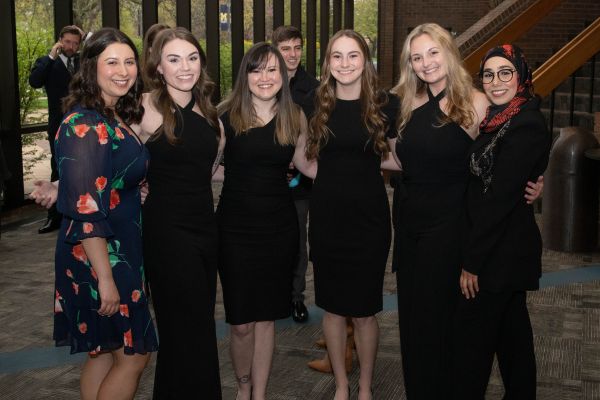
pixel 51 224
pixel 299 311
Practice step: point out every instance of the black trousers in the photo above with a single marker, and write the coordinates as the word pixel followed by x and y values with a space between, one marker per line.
pixel 493 323
pixel 299 280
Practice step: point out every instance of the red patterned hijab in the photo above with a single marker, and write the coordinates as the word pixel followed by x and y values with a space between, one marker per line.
pixel 497 115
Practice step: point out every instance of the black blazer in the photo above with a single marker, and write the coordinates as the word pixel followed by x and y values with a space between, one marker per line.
pixel 302 88
pixel 504 244
pixel 55 78
pixel 302 85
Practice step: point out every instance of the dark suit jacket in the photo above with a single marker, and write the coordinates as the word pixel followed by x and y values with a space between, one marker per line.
pixel 504 244
pixel 55 78
pixel 302 88
pixel 302 85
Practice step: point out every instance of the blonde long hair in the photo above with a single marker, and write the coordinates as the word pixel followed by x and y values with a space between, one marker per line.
pixel 242 115
pixel 459 85
pixel 371 101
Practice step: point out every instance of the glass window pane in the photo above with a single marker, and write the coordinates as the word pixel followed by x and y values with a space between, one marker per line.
pixel 35 37
pixel 166 12
pixel 87 14
pixel 130 20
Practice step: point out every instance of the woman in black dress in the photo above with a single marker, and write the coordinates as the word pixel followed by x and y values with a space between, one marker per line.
pixel 180 230
pixel 438 119
pixel 349 231
pixel 503 249
pixel 258 228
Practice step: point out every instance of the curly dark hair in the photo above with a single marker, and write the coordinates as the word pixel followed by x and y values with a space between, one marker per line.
pixel 84 89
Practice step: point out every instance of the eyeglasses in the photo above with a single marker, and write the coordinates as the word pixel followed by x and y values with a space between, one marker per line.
pixel 504 75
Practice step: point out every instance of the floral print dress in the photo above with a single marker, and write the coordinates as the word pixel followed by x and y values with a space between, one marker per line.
pixel 101 166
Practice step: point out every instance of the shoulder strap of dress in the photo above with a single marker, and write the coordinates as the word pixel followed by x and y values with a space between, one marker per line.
pixel 437 98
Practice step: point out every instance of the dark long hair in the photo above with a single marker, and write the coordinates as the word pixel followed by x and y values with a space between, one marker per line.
pixel 242 115
pixel 202 90
pixel 84 89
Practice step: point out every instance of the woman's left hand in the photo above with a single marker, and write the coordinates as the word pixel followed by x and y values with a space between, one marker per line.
pixel 534 190
pixel 468 284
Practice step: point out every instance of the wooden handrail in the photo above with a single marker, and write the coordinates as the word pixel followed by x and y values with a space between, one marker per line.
pixel 562 64
pixel 511 32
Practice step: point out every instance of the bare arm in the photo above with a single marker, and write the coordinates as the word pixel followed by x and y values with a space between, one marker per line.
pixel 307 167
pixel 392 163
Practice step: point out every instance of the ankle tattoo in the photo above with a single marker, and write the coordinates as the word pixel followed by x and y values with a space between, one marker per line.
pixel 243 379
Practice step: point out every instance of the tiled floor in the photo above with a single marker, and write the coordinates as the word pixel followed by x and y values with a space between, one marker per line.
pixel 565 316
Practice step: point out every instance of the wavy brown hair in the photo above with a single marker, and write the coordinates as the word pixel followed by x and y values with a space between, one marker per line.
pixel 372 100
pixel 459 84
pixel 84 89
pixel 162 100
pixel 147 48
pixel 242 115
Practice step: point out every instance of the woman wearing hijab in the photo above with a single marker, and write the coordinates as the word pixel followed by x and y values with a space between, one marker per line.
pixel 502 259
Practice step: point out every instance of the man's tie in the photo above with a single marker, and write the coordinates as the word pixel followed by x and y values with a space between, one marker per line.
pixel 70 66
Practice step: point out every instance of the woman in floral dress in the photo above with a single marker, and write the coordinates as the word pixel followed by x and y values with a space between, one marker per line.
pixel 100 304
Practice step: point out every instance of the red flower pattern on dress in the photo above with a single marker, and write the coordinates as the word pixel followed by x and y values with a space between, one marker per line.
pixel 127 340
pixel 93 272
pixel 82 327
pixel 115 199
pixel 79 253
pixel 75 287
pixel 135 296
pixel 81 130
pixel 88 227
pixel 101 182
pixel 119 133
pixel 69 273
pixel 102 133
pixel 124 310
pixel 86 204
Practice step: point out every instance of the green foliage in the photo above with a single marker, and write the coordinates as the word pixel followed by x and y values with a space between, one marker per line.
pixel 365 22
pixel 33 41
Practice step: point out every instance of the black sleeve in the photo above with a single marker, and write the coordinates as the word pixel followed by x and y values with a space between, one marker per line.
pixel 39 72
pixel 391 112
pixel 308 103
pixel 522 153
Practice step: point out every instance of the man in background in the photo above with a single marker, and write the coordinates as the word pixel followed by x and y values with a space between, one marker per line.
pixel 54 73
pixel 289 42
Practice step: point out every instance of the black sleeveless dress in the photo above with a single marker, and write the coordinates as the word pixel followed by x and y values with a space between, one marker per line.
pixel 258 227
pixel 349 231
pixel 428 230
pixel 180 253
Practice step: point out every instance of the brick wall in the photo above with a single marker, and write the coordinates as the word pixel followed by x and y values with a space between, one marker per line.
pixel 553 32
pixel 558 28
pixel 454 14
